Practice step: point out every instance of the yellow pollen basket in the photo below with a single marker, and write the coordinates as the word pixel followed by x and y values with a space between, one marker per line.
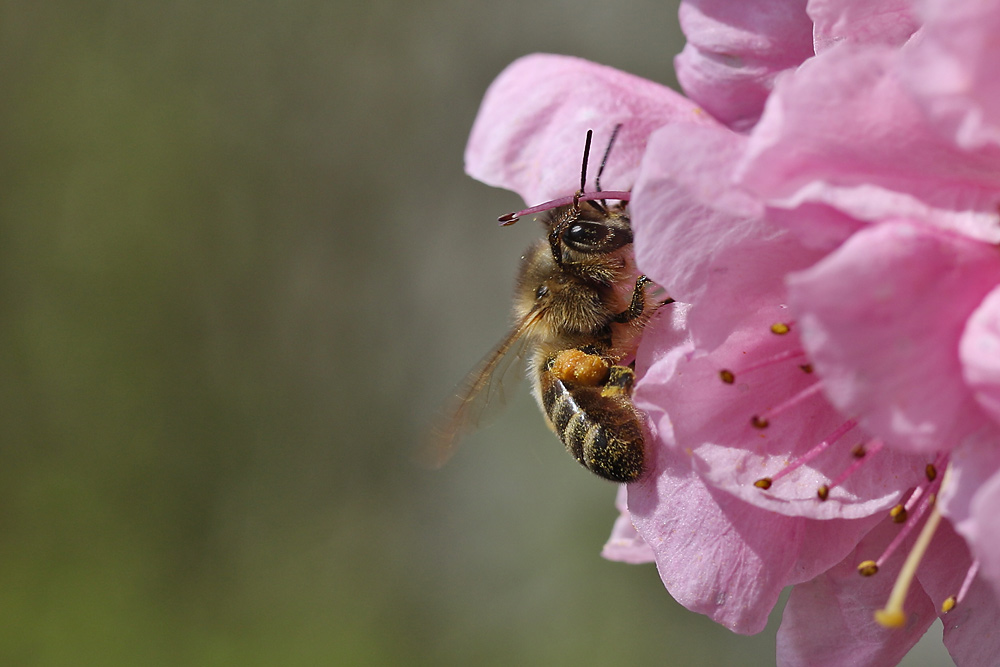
pixel 578 367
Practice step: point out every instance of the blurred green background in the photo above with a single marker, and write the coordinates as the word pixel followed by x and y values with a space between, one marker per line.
pixel 240 267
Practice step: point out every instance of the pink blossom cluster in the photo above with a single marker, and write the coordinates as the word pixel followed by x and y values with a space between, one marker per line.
pixel 824 205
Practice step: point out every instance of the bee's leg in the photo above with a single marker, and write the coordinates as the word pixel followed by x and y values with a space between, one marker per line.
pixel 638 302
pixel 558 229
pixel 635 307
pixel 620 380
pixel 555 244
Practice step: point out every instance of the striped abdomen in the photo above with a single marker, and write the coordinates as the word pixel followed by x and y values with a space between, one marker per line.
pixel 598 424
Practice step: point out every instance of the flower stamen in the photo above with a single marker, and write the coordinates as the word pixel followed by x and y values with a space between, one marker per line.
pixel 892 615
pixel 766 482
pixel 908 526
pixel 953 600
pixel 861 454
pixel 916 505
pixel 729 376
pixel 763 419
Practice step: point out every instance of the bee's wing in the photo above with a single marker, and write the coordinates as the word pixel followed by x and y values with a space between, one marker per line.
pixel 483 388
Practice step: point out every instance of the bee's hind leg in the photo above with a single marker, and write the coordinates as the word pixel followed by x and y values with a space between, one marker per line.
pixel 620 381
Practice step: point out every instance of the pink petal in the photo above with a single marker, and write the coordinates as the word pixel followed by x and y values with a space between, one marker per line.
pixel 888 22
pixel 980 353
pixel 881 319
pixel 529 134
pixel 734 51
pixel 972 464
pixel 986 542
pixel 624 544
pixel 830 620
pixel 842 130
pixel 971 631
pixel 952 70
pixel 703 239
pixel 815 225
pixel 711 421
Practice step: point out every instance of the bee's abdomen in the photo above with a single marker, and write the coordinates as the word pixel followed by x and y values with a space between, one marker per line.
pixel 601 429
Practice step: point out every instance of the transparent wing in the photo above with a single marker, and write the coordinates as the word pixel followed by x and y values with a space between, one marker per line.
pixel 479 395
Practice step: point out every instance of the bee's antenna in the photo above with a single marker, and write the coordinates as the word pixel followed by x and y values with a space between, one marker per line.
pixel 586 158
pixel 607 152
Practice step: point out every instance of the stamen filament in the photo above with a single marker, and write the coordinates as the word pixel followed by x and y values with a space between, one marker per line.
pixel 810 455
pixel 867 453
pixel 953 601
pixel 893 616
pixel 763 419
pixel 914 498
pixel 900 512
pixel 911 522
pixel 728 375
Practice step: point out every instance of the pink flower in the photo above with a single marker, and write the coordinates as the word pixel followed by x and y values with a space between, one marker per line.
pixel 877 160
pixel 827 215
pixel 520 141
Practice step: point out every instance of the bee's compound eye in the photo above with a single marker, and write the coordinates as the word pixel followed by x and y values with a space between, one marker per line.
pixel 541 291
pixel 587 233
pixel 595 237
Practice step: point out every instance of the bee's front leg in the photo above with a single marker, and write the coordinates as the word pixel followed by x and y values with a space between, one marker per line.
pixel 638 301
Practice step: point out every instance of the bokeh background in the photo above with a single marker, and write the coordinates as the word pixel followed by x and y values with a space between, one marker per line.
pixel 240 268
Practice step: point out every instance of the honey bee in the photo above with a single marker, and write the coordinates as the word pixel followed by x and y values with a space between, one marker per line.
pixel 579 308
